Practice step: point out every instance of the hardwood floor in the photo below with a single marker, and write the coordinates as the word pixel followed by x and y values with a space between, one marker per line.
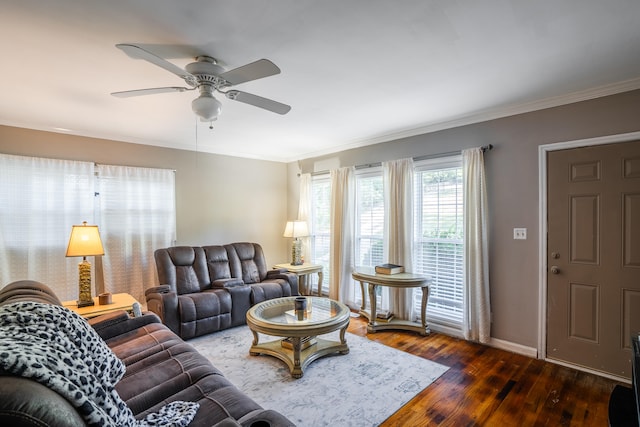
pixel 485 386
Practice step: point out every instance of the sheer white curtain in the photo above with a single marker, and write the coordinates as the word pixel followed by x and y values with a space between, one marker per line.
pixel 477 315
pixel 137 216
pixel 40 199
pixel 398 231
pixel 304 211
pixel 342 247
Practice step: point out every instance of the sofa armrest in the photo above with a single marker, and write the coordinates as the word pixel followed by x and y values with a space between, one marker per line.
pixel 25 402
pixel 119 322
pixel 276 271
pixel 265 417
pixel 227 283
pixel 163 301
pixel 106 320
pixel 292 278
pixel 162 289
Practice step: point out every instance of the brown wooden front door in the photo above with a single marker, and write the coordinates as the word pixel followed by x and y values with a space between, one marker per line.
pixel 593 255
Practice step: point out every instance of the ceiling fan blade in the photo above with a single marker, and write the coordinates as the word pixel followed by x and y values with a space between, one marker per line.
pixel 151 91
pixel 258 101
pixel 253 71
pixel 136 52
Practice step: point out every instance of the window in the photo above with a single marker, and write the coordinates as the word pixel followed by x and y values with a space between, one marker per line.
pixel 40 199
pixel 320 223
pixel 369 227
pixel 438 242
pixel 438 232
pixel 369 219
pixel 136 217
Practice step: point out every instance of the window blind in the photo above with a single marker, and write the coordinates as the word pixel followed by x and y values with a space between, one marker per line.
pixel 40 200
pixel 137 216
pixel 439 245
pixel 369 219
pixel 369 226
pixel 320 224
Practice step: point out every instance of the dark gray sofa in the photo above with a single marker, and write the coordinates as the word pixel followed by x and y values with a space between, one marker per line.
pixel 211 288
pixel 160 368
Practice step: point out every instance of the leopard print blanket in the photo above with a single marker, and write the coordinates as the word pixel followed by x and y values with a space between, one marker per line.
pixel 56 347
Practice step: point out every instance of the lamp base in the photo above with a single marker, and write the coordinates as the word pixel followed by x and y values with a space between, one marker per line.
pixel 85 303
pixel 84 284
pixel 296 252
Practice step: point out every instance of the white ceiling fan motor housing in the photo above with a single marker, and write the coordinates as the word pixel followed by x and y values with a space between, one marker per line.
pixel 206 70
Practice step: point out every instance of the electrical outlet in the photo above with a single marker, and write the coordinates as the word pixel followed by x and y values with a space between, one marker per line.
pixel 520 234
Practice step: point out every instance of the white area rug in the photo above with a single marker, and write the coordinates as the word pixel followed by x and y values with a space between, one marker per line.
pixel 362 388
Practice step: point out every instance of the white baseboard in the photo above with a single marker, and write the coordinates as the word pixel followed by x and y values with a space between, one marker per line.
pixel 525 351
pixel 446 330
pixel 494 342
pixel 514 348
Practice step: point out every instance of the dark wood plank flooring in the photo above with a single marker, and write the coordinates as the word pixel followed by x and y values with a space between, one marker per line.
pixel 485 386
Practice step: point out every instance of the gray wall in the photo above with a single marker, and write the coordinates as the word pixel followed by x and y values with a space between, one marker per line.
pixel 220 199
pixel 512 175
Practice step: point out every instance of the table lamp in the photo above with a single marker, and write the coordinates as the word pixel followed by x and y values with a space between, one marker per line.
pixel 296 229
pixel 84 241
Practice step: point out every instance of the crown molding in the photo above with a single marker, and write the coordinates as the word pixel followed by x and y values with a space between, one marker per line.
pixel 487 115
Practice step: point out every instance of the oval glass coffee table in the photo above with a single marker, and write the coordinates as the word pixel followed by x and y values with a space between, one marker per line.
pixel 300 344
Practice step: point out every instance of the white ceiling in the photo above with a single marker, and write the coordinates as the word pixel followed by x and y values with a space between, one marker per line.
pixel 355 72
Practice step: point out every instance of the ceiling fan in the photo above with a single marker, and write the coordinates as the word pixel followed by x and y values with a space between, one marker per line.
pixel 206 75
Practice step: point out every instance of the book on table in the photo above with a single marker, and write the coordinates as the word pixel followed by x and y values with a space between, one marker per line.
pixel 384 314
pixel 389 269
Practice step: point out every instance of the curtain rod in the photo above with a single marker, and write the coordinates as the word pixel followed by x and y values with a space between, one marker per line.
pixel 139 167
pixel 484 149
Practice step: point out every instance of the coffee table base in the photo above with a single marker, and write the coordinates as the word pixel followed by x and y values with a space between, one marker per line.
pixel 296 359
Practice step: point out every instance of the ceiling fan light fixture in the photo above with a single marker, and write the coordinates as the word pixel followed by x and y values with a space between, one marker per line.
pixel 207 107
pixel 207 76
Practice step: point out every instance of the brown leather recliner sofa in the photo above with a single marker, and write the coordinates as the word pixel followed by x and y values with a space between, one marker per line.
pixel 211 288
pixel 160 368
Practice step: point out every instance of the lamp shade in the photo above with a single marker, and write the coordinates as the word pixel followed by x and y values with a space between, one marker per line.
pixel 296 229
pixel 84 241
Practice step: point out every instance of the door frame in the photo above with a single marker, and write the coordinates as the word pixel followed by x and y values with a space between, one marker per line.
pixel 542 234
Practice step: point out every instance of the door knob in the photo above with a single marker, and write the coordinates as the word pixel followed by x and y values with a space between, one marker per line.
pixel 555 270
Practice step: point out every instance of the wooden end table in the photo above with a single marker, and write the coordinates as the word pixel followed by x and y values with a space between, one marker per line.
pixel 399 280
pixel 303 272
pixel 120 301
